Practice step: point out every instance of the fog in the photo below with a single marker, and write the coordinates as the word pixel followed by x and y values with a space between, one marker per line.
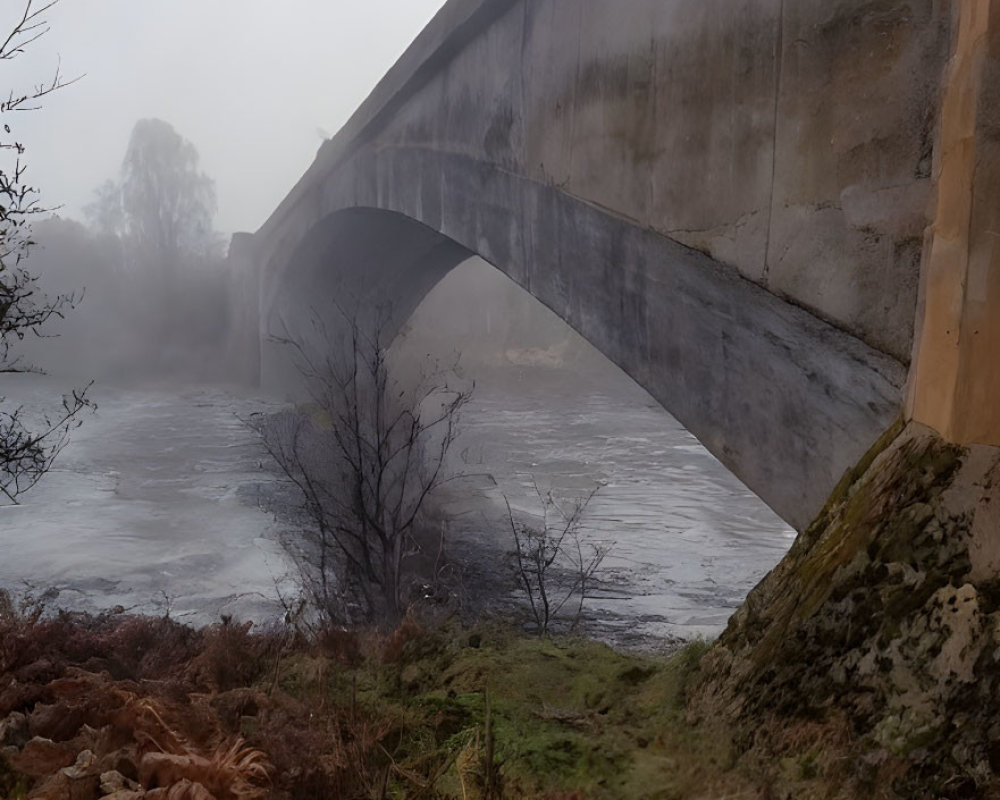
pixel 255 85
pixel 236 96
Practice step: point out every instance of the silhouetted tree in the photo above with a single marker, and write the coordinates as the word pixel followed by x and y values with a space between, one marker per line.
pixel 107 218
pixel 168 203
pixel 159 213
pixel 27 448
pixel 163 205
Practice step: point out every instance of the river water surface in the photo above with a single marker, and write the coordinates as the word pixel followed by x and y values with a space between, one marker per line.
pixel 154 504
pixel 150 506
pixel 688 541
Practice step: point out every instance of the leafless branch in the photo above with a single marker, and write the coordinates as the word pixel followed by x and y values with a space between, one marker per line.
pixel 552 561
pixel 26 453
pixel 31 26
pixel 365 457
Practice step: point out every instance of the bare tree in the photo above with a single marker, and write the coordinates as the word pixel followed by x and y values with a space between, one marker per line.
pixel 365 458
pixel 163 207
pixel 27 448
pixel 156 218
pixel 554 565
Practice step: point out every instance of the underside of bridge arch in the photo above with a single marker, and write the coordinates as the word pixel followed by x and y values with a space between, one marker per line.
pixel 356 263
pixel 784 400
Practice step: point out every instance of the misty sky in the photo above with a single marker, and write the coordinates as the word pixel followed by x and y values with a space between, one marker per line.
pixel 252 83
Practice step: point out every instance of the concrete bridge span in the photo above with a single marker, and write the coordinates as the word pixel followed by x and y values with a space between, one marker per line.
pixel 729 198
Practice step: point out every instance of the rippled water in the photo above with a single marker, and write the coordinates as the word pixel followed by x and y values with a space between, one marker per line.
pixel 689 539
pixel 150 507
pixel 153 505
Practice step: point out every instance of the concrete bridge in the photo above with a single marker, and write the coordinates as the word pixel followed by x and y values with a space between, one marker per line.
pixel 737 201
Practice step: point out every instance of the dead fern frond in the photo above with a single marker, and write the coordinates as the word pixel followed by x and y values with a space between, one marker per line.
pixel 144 716
pixel 186 790
pixel 234 771
pixel 245 768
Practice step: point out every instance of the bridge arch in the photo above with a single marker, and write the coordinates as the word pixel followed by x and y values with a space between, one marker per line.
pixel 359 256
pixel 584 153
pixel 762 384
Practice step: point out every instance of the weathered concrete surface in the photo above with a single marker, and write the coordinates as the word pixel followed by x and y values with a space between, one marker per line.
pixel 955 382
pixel 577 147
pixel 791 140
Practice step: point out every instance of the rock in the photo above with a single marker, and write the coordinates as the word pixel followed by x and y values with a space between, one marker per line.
pixel 68 784
pixel 77 782
pixel 884 618
pixel 56 722
pixel 82 783
pixel 41 757
pixel 113 781
pixel 123 762
pixel 14 730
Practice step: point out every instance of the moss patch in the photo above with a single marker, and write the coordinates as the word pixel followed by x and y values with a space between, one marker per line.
pixel 568 715
pixel 873 629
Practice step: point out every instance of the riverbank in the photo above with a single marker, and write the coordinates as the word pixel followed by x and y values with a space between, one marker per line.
pixel 140 708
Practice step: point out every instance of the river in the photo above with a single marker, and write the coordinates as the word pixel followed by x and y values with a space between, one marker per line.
pixel 154 504
pixel 151 507
pixel 688 540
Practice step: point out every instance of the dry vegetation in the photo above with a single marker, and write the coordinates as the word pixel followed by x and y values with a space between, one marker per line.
pixel 129 708
pixel 143 708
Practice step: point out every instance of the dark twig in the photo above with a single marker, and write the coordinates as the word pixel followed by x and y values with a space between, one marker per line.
pixel 26 454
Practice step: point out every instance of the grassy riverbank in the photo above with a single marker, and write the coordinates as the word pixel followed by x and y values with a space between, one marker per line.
pixel 139 703
pixel 138 708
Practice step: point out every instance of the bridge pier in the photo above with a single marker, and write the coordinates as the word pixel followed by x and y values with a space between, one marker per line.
pixel 954 382
pixel 243 344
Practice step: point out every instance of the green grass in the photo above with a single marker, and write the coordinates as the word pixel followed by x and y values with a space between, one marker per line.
pixel 569 715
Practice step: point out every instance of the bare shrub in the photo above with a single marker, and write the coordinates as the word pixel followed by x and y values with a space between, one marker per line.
pixel 231 656
pixel 364 457
pixel 555 566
